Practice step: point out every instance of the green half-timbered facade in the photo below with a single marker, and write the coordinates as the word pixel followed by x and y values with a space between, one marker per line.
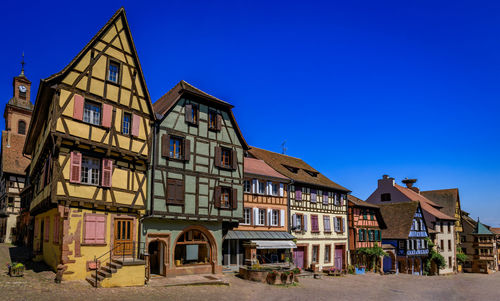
pixel 196 182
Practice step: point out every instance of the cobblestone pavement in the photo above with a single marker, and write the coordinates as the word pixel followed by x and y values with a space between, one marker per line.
pixel 38 284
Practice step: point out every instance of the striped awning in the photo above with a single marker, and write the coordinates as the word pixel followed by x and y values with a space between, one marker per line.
pixel 274 244
pixel 259 235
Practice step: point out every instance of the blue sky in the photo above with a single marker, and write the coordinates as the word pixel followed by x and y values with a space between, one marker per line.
pixel 356 88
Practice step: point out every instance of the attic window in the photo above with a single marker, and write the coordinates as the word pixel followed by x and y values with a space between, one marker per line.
pixel 385 197
pixel 312 173
pixel 113 71
pixel 292 169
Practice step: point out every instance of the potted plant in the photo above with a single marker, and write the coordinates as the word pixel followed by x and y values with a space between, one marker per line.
pixel 16 269
pixel 296 272
pixel 271 277
pixel 284 277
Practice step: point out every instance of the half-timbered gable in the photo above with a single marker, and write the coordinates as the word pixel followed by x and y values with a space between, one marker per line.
pixel 197 176
pixel 318 212
pixel 365 224
pixel 90 147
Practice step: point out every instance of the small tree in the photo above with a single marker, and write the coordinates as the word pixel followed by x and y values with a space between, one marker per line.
pixel 461 257
pixel 433 256
pixel 371 255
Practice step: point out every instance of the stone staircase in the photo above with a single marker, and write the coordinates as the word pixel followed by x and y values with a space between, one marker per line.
pixel 106 271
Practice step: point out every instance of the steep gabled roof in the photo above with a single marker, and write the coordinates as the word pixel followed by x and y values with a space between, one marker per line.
pixel 495 230
pixel 428 206
pixel 359 202
pixel 446 198
pixel 13 160
pixel 304 173
pixel 165 103
pixel 481 229
pixel 45 91
pixel 398 218
pixel 259 167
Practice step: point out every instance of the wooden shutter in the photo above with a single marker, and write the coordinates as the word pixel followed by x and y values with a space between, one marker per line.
pixel 282 218
pixel 217 197
pixel 37 228
pixel 46 229
pixel 294 221
pixel 304 222
pixel 100 229
pixel 187 149
pixel 107 111
pixel 90 229
pixel 136 122
pixel 234 199
pixel 171 188
pixel 78 103
pixel 217 162
pixel 298 193
pixel 107 172
pixel 165 145
pixel 313 195
pixel 360 235
pixel 75 167
pixel 55 237
pixel 234 157
pixel 255 216
pixel 325 197
pixel 218 124
pixel 179 192
pixel 281 189
pixel 342 225
pixel 189 113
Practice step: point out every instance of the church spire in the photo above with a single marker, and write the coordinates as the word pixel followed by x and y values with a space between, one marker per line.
pixel 22 66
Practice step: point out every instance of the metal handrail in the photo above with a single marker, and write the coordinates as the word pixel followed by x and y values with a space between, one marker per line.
pixel 119 245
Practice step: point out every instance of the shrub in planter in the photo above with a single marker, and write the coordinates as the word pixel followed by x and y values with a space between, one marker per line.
pixel 271 277
pixel 296 271
pixel 284 277
pixel 16 269
pixel 290 278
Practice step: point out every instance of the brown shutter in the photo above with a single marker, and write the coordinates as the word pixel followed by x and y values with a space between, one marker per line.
pixel 170 193
pixel 187 149
pixel 179 192
pixel 189 113
pixel 218 124
pixel 234 157
pixel 165 145
pixel 217 197
pixel 217 156
pixel 234 199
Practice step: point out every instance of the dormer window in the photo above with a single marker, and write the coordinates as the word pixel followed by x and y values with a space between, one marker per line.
pixel 292 169
pixel 385 197
pixel 113 71
pixel 312 173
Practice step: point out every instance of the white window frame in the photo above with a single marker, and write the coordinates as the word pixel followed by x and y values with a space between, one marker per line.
pixel 113 76
pixel 126 125
pixel 275 218
pixel 247 186
pixel 261 220
pixel 247 213
pixel 90 171
pixel 261 189
pixel 275 189
pixel 92 113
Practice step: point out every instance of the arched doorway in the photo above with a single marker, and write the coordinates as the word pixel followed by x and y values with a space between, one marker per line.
pixel 195 252
pixel 156 251
pixel 389 263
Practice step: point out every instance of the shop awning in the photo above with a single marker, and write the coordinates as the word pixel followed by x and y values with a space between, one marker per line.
pixel 274 244
pixel 259 235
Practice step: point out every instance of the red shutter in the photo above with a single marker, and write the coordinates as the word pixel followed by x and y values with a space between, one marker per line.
pixel 136 121
pixel 107 111
pixel 187 149
pixel 217 197
pixel 107 172
pixel 100 229
pixel 234 156
pixel 90 229
pixel 55 239
pixel 234 199
pixel 75 167
pixel 219 122
pixel 165 145
pixel 189 113
pixel 217 162
pixel 46 233
pixel 78 102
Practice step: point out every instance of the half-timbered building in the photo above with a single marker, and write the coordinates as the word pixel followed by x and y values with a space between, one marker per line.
pixel 262 236
pixel 17 117
pixel 441 227
pixel 318 212
pixel 365 224
pixel 404 237
pixel 89 145
pixel 196 191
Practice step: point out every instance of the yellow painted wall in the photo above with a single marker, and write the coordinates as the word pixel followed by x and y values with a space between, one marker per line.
pixel 51 252
pixel 126 276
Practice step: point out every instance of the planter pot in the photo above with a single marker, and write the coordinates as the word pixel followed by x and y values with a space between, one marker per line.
pixel 16 272
pixel 283 278
pixel 290 278
pixel 360 271
pixel 296 278
pixel 271 279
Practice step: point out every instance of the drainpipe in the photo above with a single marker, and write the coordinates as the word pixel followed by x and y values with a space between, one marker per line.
pixel 348 249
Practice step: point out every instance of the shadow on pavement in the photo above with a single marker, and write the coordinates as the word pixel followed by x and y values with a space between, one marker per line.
pixel 23 255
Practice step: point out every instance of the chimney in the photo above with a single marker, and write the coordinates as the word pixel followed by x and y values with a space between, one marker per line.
pixel 386 182
pixel 409 184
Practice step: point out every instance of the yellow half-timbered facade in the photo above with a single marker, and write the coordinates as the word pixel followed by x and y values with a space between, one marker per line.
pixel 89 143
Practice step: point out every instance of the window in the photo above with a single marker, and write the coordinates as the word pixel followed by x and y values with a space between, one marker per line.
pixel 262 187
pixel 175 192
pixel 338 224
pixel 361 234
pixel 10 202
pixel 385 197
pixel 298 193
pixel 247 186
pixel 175 147
pixel 314 223
pixel 214 121
pixel 365 213
pixel 328 251
pixel 247 216
pixel 94 229
pixel 401 244
pixel 438 227
pixel 442 245
pixel 194 114
pixel 313 195
pixel 92 113
pixel 262 217
pixel 275 189
pixel 127 118
pixel 449 244
pixel 315 254
pixel 370 235
pixel 449 227
pixel 192 247
pixel 298 222
pixel 225 201
pixel 90 171
pixel 326 224
pixel 275 217
pixel 336 199
pixel 372 215
pixel 225 157
pixel 21 127
pixel 113 71
pixel 46 228
pixel 449 262
pixel 55 238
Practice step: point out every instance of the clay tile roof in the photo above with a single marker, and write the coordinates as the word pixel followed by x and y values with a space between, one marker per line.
pixel 13 160
pixel 359 202
pixel 398 217
pixel 447 198
pixel 427 205
pixel 412 195
pixel 495 230
pixel 302 172
pixel 259 167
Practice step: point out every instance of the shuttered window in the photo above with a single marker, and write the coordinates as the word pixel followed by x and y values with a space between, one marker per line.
pixel 226 198
pixel 46 225
pixel 326 224
pixel 76 163
pixel 226 158
pixel 92 113
pixel 127 121
pixel 94 229
pixel 214 121
pixel 78 102
pixel 314 223
pixel 136 123
pixel 298 193
pixel 192 114
pixel 175 192
pixel 107 172
pixel 55 238
pixel 107 111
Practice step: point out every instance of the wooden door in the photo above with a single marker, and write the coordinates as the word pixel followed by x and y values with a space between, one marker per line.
pixel 338 257
pixel 299 257
pixel 123 243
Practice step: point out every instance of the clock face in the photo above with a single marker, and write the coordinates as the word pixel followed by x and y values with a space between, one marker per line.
pixel 22 89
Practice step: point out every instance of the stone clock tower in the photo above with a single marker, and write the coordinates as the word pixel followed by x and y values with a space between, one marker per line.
pixel 17 116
